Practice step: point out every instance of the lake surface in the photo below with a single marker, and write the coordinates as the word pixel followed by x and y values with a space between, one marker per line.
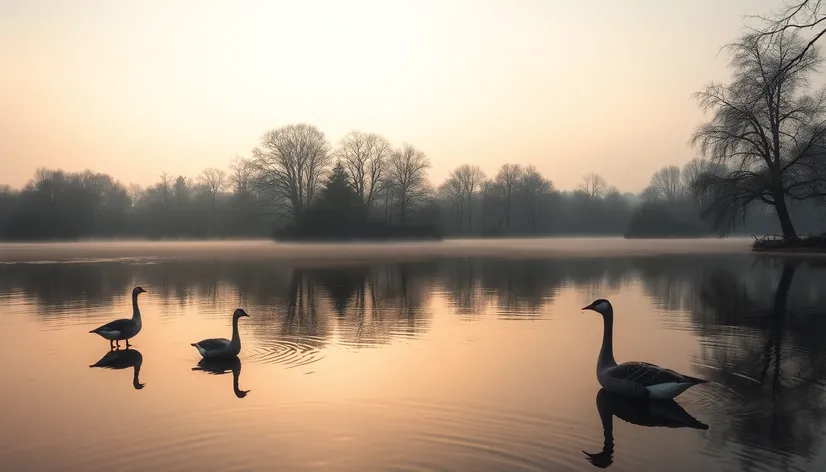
pixel 460 355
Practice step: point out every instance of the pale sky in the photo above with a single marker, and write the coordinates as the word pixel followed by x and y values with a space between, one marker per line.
pixel 134 88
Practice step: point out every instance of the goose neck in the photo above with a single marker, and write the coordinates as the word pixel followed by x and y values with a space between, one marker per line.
pixel 606 352
pixel 136 312
pixel 236 338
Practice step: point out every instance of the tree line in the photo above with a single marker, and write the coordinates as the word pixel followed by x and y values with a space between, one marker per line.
pixel 295 177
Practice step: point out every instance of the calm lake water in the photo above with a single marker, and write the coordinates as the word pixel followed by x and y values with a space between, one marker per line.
pixel 460 355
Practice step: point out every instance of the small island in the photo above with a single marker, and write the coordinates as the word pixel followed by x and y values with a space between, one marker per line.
pixel 814 243
pixel 340 215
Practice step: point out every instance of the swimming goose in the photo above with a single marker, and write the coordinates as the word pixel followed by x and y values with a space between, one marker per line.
pixel 119 330
pixel 221 348
pixel 652 414
pixel 121 359
pixel 634 379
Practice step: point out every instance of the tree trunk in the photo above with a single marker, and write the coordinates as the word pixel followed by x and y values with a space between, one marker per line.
pixel 508 213
pixel 784 217
pixel 470 214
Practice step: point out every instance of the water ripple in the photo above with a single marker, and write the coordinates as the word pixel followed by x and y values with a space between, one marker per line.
pixel 478 437
pixel 288 353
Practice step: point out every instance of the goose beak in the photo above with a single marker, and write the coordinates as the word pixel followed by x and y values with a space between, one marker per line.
pixel 589 307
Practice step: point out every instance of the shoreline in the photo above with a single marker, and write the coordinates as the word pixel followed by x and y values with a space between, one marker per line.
pixel 812 244
pixel 791 250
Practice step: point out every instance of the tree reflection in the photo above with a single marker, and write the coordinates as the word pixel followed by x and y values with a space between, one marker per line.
pixel 759 321
pixel 58 288
pixel 759 345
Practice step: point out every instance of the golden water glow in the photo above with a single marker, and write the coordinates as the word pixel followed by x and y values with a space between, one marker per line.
pixel 431 363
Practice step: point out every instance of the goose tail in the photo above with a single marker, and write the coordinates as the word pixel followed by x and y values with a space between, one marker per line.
pixel 695 380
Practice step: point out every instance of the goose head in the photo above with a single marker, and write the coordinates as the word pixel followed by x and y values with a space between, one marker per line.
pixel 601 306
pixel 137 291
pixel 240 313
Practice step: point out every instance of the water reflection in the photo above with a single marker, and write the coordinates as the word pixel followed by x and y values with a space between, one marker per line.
pixel 222 366
pixel 754 327
pixel 766 346
pixel 651 414
pixel 118 359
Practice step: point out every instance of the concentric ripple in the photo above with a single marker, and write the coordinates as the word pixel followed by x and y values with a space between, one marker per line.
pixel 288 353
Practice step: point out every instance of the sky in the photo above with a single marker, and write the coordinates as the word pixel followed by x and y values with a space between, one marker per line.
pixel 135 89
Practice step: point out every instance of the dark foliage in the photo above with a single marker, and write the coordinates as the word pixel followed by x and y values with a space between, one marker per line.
pixel 656 220
pixel 339 214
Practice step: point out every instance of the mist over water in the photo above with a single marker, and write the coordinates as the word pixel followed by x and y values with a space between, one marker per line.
pixel 458 355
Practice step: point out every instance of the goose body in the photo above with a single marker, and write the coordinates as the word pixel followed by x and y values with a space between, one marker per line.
pixel 634 379
pixel 123 329
pixel 222 348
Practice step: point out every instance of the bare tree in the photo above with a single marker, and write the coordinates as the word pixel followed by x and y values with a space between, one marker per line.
pixel 469 180
pixel 451 191
pixel 241 175
pixel 291 163
pixel 490 199
pixel 214 180
pixel 650 194
pixel 593 185
pixel 135 193
pixel 507 180
pixel 365 156
pixel 798 16
pixel 770 134
pixel 692 170
pixel 534 187
pixel 165 188
pixel 666 183
pixel 407 177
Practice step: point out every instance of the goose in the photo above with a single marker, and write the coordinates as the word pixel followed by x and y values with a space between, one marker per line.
pixel 221 348
pixel 634 379
pixel 125 328
pixel 651 414
pixel 122 359
pixel 222 366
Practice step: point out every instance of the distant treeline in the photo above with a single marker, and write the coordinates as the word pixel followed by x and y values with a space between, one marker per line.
pixel 295 187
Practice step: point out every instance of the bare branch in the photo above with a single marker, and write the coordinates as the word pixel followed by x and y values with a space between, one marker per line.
pixel 407 179
pixel 763 127
pixel 364 156
pixel 290 164
pixel 593 185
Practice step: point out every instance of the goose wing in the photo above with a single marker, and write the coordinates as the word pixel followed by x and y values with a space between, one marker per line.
pixel 212 344
pixel 117 326
pixel 646 374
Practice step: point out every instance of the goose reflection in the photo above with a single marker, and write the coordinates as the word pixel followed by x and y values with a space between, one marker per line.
pixel 222 366
pixel 649 413
pixel 123 359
